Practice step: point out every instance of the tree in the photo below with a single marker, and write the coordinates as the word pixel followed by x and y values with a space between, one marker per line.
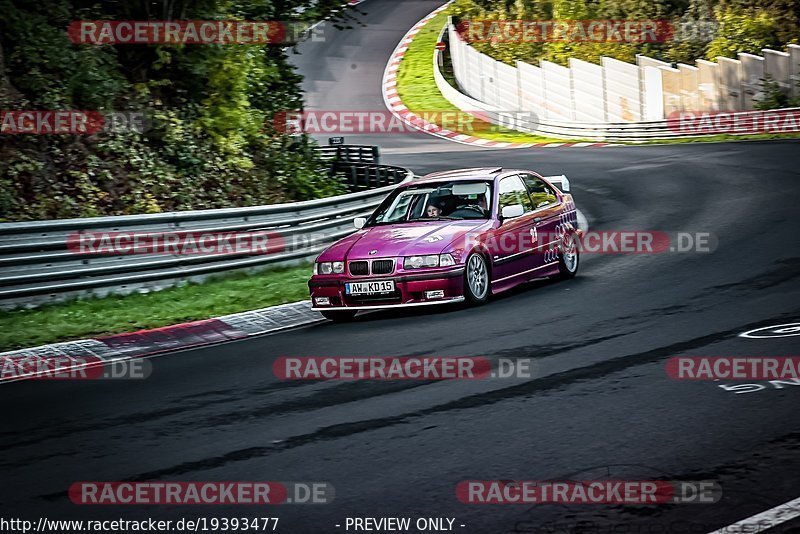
pixel 742 31
pixel 211 143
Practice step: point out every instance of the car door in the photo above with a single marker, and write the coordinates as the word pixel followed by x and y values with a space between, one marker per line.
pixel 545 219
pixel 511 243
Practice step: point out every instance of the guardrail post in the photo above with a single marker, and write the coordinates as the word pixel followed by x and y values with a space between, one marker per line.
pixel 354 178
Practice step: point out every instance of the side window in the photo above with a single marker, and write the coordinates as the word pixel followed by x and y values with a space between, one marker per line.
pixel 512 191
pixel 541 194
pixel 400 209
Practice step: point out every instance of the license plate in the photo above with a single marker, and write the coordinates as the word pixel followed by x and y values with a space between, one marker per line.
pixel 369 288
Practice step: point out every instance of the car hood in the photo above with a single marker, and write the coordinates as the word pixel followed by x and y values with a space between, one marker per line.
pixel 405 239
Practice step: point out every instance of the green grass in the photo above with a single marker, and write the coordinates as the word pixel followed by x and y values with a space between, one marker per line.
pixel 93 317
pixel 416 87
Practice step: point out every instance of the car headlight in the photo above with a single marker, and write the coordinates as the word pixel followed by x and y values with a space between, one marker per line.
pixel 430 260
pixel 446 260
pixel 329 267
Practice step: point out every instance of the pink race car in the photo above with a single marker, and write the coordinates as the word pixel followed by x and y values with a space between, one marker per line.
pixel 449 237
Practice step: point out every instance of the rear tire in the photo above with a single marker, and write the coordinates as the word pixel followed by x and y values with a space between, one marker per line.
pixel 476 279
pixel 339 316
pixel 569 259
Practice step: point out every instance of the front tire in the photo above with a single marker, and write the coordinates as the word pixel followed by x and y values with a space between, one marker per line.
pixel 476 279
pixel 569 258
pixel 339 316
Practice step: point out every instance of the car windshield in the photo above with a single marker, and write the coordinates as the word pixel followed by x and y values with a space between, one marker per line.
pixel 454 200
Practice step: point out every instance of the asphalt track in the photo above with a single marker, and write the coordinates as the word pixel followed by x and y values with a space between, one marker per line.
pixel 600 406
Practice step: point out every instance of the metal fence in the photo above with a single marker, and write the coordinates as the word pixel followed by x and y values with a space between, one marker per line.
pixel 363 177
pixel 359 167
pixel 39 265
pixel 350 153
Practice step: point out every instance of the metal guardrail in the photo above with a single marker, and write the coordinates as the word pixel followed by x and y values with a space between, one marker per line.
pixel 38 266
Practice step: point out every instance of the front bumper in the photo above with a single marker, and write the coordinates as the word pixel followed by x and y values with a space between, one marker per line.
pixel 410 290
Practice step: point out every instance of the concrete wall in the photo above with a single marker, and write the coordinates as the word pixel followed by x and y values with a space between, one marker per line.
pixel 619 92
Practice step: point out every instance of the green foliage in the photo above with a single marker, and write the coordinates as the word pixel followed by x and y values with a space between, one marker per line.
pixel 694 30
pixel 704 28
pixel 773 97
pixel 742 31
pixel 210 143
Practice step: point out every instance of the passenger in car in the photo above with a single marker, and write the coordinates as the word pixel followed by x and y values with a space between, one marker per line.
pixel 433 211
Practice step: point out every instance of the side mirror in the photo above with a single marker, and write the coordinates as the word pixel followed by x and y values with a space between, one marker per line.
pixel 510 212
pixel 359 222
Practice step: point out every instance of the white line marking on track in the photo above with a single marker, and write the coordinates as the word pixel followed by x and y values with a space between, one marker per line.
pixel 786 330
pixel 765 520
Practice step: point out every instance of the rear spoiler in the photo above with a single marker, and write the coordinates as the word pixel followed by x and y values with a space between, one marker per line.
pixel 560 181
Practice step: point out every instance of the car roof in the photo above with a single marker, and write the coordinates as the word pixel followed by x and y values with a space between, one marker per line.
pixel 476 173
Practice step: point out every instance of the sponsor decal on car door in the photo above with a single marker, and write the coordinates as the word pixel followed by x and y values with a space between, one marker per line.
pixel 546 221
